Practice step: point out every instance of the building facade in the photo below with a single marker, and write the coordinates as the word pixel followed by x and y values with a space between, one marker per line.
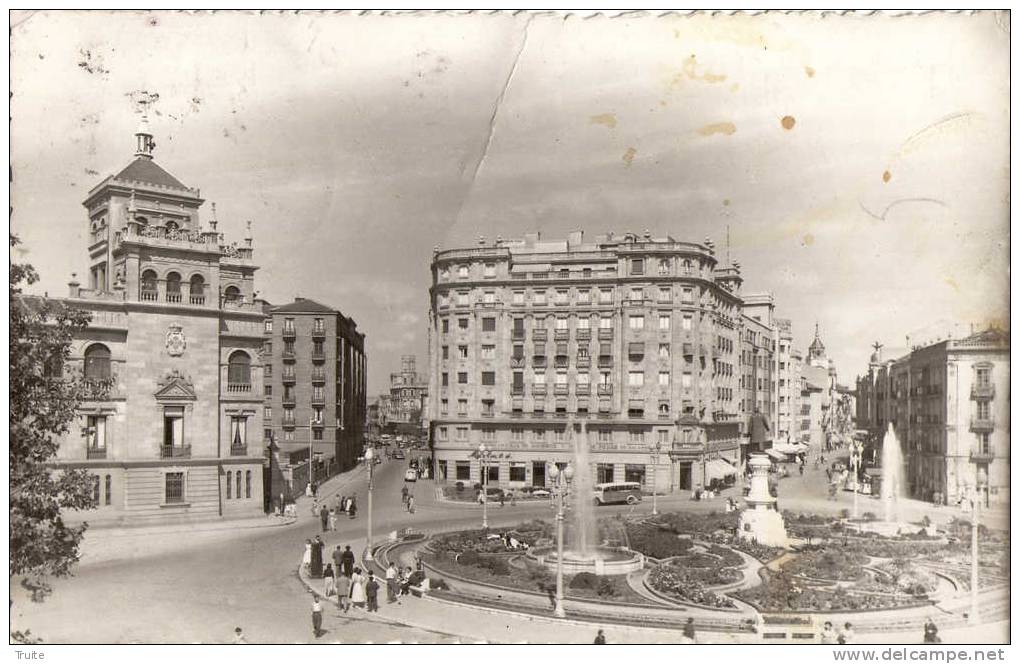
pixel 758 388
pixel 628 345
pixel 170 364
pixel 315 389
pixel 405 407
pixel 818 395
pixel 949 406
pixel 788 361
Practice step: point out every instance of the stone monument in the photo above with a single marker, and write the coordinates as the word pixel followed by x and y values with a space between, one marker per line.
pixel 761 521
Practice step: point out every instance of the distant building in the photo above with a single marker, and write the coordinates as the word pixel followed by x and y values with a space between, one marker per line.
pixel 818 396
pixel 170 364
pixel 641 339
pixel 407 398
pixel 315 390
pixel 949 406
pixel 788 360
pixel 758 389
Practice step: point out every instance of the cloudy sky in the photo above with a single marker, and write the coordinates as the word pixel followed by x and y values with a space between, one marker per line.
pixel 861 163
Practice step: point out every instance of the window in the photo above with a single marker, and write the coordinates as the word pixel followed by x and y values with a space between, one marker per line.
pixel 488 434
pixel 446 325
pixel 583 379
pixel 462 271
pixel 441 433
pixel 96 432
pixel 95 489
pixel 605 296
pixel 634 473
pixel 583 323
pixel 562 296
pixel 561 324
pixel 462 323
pixel 663 379
pixel 516 434
pixel 605 436
pixel 173 426
pixel 445 379
pixel 288 347
pixel 488 407
pixel 316 434
pixel 664 294
pixel 462 352
pixel 488 378
pixel 109 488
pixel 267 412
pixel 983 377
pixel 488 324
pixel 685 381
pixel 539 378
pixel 463 470
pixel 488 352
pixel 983 410
pixel 518 384
pixel 239 369
pixel 518 297
pixel 247 484
pixel 687 322
pixel 663 410
pixel 636 378
pixel 237 477
pixel 604 472
pixel 317 348
pixel 637 294
pixel 446 352
pixel 490 270
pixel 462 378
pixel 539 297
pixel 267 371
pixel 174 488
pixel 148 285
pixel 636 322
pixel 584 296
pixel 687 296
pixel 462 299
pixel 637 438
pixel 238 426
pixel 97 363
pixel 539 435
pixel 462 433
pixel 663 351
pixel 444 406
pixel 637 266
pixel 288 326
pixel 444 273
pixel 664 322
pixel 605 323
pixel 686 266
pixel 518 471
pixel 319 325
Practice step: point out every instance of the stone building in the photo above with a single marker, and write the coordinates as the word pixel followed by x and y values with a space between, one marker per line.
pixel 758 388
pixel 788 361
pixel 638 338
pixel 817 396
pixel 405 408
pixel 949 406
pixel 171 363
pixel 315 390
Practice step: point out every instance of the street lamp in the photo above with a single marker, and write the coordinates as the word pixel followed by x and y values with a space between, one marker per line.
pixel 561 478
pixel 483 456
pixel 656 447
pixel 370 460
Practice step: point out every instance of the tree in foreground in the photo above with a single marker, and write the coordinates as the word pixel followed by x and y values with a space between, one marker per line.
pixel 43 406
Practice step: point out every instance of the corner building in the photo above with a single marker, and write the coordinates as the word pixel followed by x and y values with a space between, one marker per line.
pixel 170 365
pixel 638 338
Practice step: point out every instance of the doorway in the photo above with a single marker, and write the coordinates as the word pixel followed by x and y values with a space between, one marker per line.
pixel 538 473
pixel 684 478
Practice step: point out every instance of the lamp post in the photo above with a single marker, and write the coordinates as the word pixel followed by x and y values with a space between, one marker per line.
pixel 370 460
pixel 656 447
pixel 561 479
pixel 483 456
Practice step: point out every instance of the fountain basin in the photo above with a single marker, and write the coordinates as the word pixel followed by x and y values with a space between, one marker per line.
pixel 599 560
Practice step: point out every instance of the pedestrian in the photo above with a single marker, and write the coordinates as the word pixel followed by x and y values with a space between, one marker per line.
pixel 410 503
pixel 358 589
pixel 392 587
pixel 689 636
pixel 324 517
pixel 481 497
pixel 316 616
pixel 405 581
pixel 600 638
pixel 341 504
pixel 403 495
pixel 931 631
pixel 308 490
pixel 343 593
pixel 306 559
pixel 332 519
pixel 847 635
pixel 502 499
pixel 338 557
pixel 513 499
pixel 828 635
pixel 347 561
pixel 352 506
pixel 372 593
pixel 800 467
pixel 239 637
pixel 315 571
pixel 328 582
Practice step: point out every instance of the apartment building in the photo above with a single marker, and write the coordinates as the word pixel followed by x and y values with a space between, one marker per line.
pixel 788 361
pixel 949 406
pixel 405 406
pixel 758 388
pixel 629 345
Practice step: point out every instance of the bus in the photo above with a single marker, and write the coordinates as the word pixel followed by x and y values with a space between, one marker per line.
pixel 608 493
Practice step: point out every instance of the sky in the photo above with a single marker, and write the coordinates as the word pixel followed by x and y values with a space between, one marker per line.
pixel 860 163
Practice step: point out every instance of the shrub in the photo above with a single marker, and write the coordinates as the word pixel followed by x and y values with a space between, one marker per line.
pixel 656 542
pixel 460 486
pixel 584 581
pixel 468 557
pixel 438 584
pixel 606 588
pixel 496 566
pixel 844 513
pixel 869 516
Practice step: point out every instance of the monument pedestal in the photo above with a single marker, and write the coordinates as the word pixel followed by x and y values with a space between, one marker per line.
pixel 761 522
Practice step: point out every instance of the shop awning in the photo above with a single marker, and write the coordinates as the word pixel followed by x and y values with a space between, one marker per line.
pixel 717 468
pixel 778 456
pixel 789 448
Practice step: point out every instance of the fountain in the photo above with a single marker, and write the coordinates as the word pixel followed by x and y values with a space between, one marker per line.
pixel 892 489
pixel 584 552
pixel 761 522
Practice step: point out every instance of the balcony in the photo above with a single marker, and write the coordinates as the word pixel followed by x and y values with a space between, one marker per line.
pixel 982 424
pixel 174 297
pixel 561 335
pixel 95 452
pixel 238 450
pixel 318 356
pixel 605 360
pixel 319 399
pixel 238 388
pixel 605 333
pixel 583 362
pixel 175 452
pixel 318 377
pixel 561 389
pixel 289 333
pixel 289 401
pixel 517 390
pixel 583 333
pixel 488 413
pixel 538 389
pixel 582 389
pixel 982 454
pixel 538 361
pixel 517 335
pixel 289 378
pixel 605 390
pixel 517 362
pixel 288 424
pixel 319 332
pixel 664 416
pixel 288 355
pixel 982 391
pixel 148 296
pixel 561 362
pixel 99 389
pixel 319 422
pixel 539 334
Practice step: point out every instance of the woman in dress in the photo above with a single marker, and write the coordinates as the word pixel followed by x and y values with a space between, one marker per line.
pixel 358 596
pixel 328 582
pixel 306 560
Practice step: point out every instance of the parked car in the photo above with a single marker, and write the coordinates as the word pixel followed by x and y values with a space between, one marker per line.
pixel 410 475
pixel 399 454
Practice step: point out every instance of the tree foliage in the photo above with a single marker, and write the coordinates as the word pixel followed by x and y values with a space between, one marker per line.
pixel 43 406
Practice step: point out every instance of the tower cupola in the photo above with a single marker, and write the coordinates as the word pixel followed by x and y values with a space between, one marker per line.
pixel 143 138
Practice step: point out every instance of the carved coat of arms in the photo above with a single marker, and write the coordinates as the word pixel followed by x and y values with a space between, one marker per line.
pixel 175 341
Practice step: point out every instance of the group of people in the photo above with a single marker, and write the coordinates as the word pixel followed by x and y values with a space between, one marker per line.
pixel 328 514
pixel 830 636
pixel 407 498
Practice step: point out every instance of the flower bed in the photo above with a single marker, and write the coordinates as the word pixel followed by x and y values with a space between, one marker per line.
pixel 906 576
pixel 685 585
pixel 834 564
pixel 656 542
pixel 781 592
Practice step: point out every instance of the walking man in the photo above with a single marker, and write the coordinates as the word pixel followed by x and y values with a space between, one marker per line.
pixel 410 503
pixel 391 584
pixel 316 616
pixel 372 593
pixel 347 561
pixel 343 593
pixel 338 558
pixel 403 495
pixel 324 517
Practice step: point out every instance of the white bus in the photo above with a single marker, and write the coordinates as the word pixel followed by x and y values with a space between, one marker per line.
pixel 608 493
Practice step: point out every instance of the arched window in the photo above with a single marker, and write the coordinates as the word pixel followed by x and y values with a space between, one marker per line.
pixel 239 368
pixel 97 362
pixel 229 483
pixel 247 484
pixel 687 266
pixel 197 289
pixel 232 294
pixel 149 285
pixel 95 489
pixel 173 287
pixel 238 492
pixel 172 227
